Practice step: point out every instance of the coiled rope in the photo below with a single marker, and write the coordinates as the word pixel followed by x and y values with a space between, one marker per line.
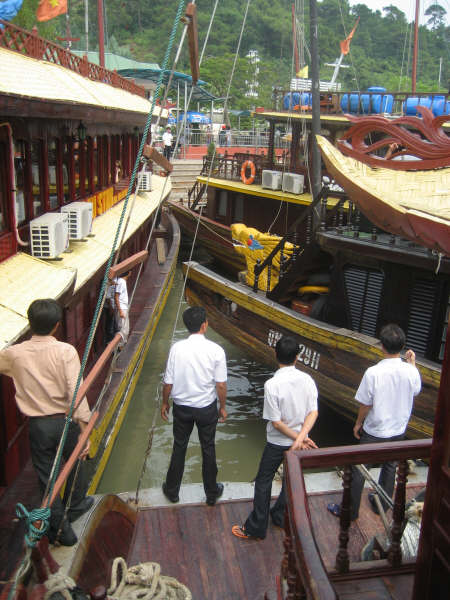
pixel 144 582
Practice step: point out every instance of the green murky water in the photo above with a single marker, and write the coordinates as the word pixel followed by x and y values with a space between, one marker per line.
pixel 239 440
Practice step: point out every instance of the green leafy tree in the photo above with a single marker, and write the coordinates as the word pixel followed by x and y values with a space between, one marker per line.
pixel 436 14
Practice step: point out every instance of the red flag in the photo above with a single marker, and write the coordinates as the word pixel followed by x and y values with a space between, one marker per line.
pixel 49 9
pixel 345 44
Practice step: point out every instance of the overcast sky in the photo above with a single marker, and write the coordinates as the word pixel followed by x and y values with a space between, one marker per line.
pixel 407 6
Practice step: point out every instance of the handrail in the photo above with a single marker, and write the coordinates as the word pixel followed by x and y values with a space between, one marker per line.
pixel 31 44
pixel 302 550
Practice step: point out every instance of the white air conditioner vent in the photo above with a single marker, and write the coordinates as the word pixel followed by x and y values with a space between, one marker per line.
pixel 271 179
pixel 79 216
pixel 49 235
pixel 145 182
pixel 293 183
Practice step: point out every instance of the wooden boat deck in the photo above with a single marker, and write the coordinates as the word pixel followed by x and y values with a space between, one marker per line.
pixel 194 543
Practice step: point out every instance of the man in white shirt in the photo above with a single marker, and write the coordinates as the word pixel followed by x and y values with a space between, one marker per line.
pixel 118 294
pixel 290 406
pixel 386 394
pixel 195 377
pixel 167 141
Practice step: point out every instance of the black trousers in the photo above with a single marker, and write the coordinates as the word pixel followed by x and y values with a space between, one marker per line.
pixel 386 478
pixel 258 520
pixel 184 418
pixel 44 435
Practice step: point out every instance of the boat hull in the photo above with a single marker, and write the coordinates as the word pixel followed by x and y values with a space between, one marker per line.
pixel 213 236
pixel 335 357
pixel 157 280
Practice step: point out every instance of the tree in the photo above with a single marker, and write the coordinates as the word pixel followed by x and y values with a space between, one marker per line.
pixel 436 14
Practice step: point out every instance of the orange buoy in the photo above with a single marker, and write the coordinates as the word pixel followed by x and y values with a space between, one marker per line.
pixel 248 165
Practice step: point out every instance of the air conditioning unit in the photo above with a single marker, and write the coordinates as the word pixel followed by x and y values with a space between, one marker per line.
pixel 293 183
pixel 271 179
pixel 49 235
pixel 79 216
pixel 145 182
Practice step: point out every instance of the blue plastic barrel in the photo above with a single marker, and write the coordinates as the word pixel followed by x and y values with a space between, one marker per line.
pixel 344 103
pixel 410 107
pixel 305 99
pixel 376 89
pixel 365 104
pixel 354 103
pixel 438 105
pixel 447 108
pixel 375 103
pixel 290 100
pixel 387 103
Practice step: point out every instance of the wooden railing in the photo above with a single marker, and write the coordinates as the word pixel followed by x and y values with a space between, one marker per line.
pixel 32 45
pixel 303 572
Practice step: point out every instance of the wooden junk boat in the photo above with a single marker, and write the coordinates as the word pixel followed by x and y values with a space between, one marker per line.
pixel 70 132
pixel 334 286
pixel 317 557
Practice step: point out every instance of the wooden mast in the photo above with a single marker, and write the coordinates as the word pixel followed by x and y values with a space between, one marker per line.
pixel 315 91
pixel 294 33
pixel 101 34
pixel 416 44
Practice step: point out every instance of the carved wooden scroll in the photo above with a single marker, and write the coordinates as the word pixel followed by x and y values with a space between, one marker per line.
pixel 420 137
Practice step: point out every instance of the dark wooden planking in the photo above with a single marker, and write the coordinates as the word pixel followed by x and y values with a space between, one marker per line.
pixel 194 543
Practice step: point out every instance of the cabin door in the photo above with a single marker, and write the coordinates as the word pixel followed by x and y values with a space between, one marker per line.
pixel 433 566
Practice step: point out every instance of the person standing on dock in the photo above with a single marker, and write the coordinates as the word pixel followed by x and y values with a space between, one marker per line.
pixel 290 406
pixel 45 372
pixel 385 395
pixel 195 377
pixel 167 141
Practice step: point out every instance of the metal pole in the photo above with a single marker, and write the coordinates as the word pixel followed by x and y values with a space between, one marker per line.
pixel 416 44
pixel 315 89
pixel 86 24
pixel 101 34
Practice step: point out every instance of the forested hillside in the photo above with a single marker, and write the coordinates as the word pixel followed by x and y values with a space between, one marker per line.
pixel 381 48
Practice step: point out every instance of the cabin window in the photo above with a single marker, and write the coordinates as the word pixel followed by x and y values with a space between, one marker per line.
pixel 19 167
pixel 363 290
pixel 420 318
pixel 238 216
pixel 444 331
pixel 53 174
pixel 96 150
pixel 66 170
pixel 76 167
pixel 222 206
pixel 37 169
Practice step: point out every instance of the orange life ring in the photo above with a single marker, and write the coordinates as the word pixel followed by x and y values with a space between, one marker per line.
pixel 248 180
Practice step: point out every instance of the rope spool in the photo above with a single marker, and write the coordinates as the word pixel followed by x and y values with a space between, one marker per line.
pixel 248 164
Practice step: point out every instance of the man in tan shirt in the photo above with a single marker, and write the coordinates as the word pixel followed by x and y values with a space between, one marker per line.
pixel 45 373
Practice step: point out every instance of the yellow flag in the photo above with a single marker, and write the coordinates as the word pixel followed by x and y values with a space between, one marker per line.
pixel 303 73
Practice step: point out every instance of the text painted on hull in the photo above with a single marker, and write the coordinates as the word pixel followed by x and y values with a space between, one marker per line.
pixel 310 358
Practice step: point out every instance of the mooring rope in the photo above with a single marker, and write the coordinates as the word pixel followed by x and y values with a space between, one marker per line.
pixel 144 582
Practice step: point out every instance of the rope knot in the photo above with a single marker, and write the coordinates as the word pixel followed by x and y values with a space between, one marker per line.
pixel 37 514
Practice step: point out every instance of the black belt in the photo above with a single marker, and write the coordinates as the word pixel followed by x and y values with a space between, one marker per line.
pixel 49 416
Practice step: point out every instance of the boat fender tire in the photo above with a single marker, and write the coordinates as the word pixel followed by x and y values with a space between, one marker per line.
pixel 248 164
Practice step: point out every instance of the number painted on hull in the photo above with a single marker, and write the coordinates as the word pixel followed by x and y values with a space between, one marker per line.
pixel 310 358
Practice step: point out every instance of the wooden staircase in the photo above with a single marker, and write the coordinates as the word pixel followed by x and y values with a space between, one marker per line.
pixel 183 177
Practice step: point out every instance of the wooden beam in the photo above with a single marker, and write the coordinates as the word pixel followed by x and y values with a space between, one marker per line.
pixel 152 153
pixel 191 20
pixel 128 263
